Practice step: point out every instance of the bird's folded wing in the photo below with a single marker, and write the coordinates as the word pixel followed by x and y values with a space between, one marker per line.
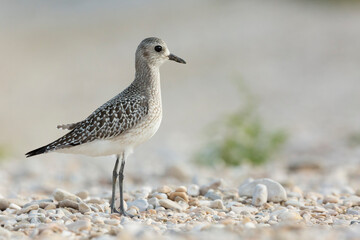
pixel 108 121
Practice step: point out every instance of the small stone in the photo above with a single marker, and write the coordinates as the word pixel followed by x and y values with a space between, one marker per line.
pixel 183 195
pixel 341 222
pixel 289 216
pixel 166 203
pixel 260 195
pixel 113 222
pixel 14 206
pixel 154 201
pixel 4 204
pixel 352 201
pixel 143 193
pixel 164 189
pixel 84 208
pixel 294 203
pixel 213 185
pixel 352 211
pixel 330 199
pixel 249 225
pixel 181 189
pixel 211 194
pixel 141 204
pixel 95 200
pixel 276 192
pixel 29 208
pixel 80 225
pixel 69 203
pixel 83 194
pixel 217 204
pixel 152 211
pixel 60 195
pixel 50 206
pixel 160 195
pixel 133 210
pixel 193 190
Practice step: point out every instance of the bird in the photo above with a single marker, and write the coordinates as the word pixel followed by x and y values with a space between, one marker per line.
pixel 125 121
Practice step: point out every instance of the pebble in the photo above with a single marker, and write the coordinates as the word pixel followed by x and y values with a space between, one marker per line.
pixel 193 190
pixel 113 222
pixel 69 203
pixel 352 211
pixel 330 199
pixel 84 208
pixel 211 194
pixel 160 195
pixel 164 189
pixel 143 193
pixel 29 208
pixel 183 195
pixel 4 204
pixel 291 216
pixel 168 204
pixel 14 206
pixel 250 210
pixel 217 204
pixel 154 202
pixel 181 189
pixel 80 225
pixel 352 201
pixel 133 210
pixel 249 225
pixel 213 185
pixel 83 194
pixel 276 192
pixel 294 203
pixel 60 195
pixel 260 195
pixel 50 206
pixel 141 204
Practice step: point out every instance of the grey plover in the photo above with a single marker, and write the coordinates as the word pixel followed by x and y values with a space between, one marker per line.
pixel 125 121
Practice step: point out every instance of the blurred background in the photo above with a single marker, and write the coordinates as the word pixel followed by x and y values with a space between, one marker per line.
pixel 60 60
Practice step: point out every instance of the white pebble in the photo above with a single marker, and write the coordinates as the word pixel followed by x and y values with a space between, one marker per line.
pixel 260 195
pixel 276 192
pixel 141 204
pixel 193 190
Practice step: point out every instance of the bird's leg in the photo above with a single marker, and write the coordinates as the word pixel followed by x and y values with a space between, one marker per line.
pixel 121 180
pixel 114 178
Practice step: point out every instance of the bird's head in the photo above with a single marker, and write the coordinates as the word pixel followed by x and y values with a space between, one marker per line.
pixel 154 52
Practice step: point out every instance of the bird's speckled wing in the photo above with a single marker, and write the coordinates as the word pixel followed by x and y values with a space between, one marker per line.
pixel 110 120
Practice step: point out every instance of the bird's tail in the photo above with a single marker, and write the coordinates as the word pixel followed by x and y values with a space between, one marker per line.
pixel 37 151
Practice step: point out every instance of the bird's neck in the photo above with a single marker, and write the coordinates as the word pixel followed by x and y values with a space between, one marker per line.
pixel 147 79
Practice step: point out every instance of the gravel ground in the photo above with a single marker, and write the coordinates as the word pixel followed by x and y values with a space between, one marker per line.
pixel 305 198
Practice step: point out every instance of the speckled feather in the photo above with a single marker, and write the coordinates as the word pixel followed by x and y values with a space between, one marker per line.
pixel 110 120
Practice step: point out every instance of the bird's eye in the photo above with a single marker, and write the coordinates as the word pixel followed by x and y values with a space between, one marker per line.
pixel 158 48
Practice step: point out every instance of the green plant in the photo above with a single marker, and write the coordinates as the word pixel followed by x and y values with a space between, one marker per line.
pixel 353 140
pixel 241 137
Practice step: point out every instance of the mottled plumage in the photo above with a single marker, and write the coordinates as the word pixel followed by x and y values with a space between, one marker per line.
pixel 125 121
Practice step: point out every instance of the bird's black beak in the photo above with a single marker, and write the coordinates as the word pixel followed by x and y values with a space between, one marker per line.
pixel 172 57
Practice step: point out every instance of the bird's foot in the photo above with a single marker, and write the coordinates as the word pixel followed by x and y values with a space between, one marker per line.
pixel 122 213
